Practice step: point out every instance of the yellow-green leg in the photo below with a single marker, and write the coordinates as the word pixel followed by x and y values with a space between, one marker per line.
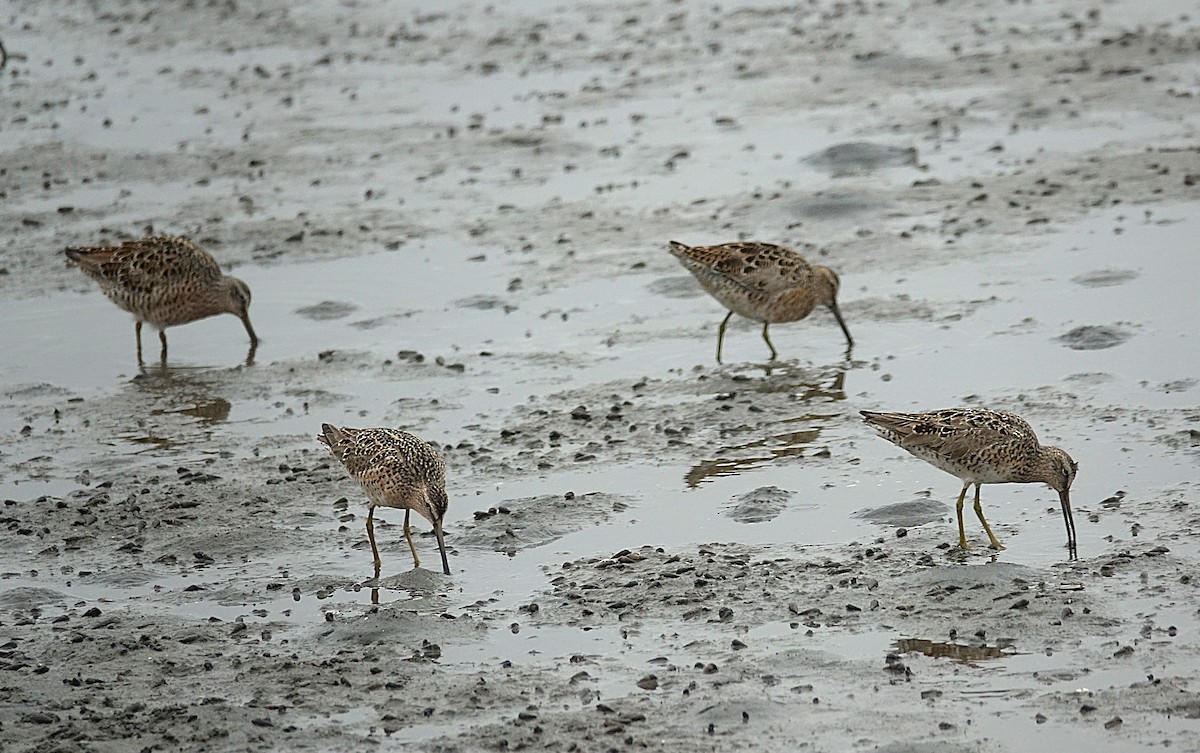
pixel 721 334
pixel 371 537
pixel 137 331
pixel 408 537
pixel 979 511
pixel 962 534
pixel 768 340
pixel 162 336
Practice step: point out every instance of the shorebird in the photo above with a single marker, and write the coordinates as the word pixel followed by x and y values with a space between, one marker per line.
pixel 395 469
pixel 166 281
pixel 981 446
pixel 761 281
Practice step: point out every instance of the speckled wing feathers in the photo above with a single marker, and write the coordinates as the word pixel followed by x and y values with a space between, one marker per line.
pixel 953 424
pixel 763 268
pixel 958 439
pixel 142 266
pixel 386 461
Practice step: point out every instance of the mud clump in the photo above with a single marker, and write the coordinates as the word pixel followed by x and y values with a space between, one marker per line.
pixel 532 521
pixel 916 512
pixel 1095 337
pixel 1104 278
pixel 758 506
pixel 862 156
pixel 327 310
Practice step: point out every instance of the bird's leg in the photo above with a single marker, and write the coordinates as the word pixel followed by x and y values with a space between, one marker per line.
pixel 137 331
pixel 162 336
pixel 721 334
pixel 371 537
pixel 979 511
pixel 408 537
pixel 962 534
pixel 768 339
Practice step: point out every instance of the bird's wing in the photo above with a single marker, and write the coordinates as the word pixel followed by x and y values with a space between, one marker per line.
pixel 956 433
pixel 141 265
pixel 758 267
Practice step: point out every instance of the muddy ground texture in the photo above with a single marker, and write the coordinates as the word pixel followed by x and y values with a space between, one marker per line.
pixel 192 584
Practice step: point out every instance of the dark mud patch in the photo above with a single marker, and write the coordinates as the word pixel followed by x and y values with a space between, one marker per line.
pixel 327 310
pixel 738 585
pixel 485 303
pixel 916 512
pixel 380 321
pixel 1179 385
pixel 904 307
pixel 1167 697
pixel 1090 378
pixel 35 391
pixel 1105 278
pixel 862 156
pixel 680 287
pixel 831 206
pixel 1095 337
pixel 724 414
pixel 394 626
pixel 532 521
pixel 760 505
pixel 712 583
pixel 26 598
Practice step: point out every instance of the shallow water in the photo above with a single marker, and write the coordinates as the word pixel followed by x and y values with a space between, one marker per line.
pixel 1006 343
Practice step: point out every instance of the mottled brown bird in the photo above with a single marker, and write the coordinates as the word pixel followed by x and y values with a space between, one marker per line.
pixel 395 469
pixel 981 446
pixel 761 281
pixel 165 281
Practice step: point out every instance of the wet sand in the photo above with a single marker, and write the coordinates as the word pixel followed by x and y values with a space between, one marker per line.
pixel 455 222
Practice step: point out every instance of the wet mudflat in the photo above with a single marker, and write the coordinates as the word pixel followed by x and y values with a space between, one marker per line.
pixel 455 222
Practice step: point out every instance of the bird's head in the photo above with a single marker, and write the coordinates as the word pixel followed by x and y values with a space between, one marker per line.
pixel 437 503
pixel 237 302
pixel 1058 469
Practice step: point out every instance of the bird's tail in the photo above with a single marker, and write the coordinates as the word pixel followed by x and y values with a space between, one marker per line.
pixel 891 426
pixel 331 436
pixel 879 419
pixel 679 249
pixel 88 256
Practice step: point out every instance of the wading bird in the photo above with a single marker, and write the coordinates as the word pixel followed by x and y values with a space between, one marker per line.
pixel 165 281
pixel 395 469
pixel 981 446
pixel 761 281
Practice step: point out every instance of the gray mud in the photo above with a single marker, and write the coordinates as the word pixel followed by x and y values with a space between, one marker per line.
pixel 454 221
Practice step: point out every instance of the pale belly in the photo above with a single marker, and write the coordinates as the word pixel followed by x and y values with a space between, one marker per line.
pixel 970 472
pixel 756 306
pixel 162 311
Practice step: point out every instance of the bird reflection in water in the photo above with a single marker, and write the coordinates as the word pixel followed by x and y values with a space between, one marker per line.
pixel 794 442
pixel 182 407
